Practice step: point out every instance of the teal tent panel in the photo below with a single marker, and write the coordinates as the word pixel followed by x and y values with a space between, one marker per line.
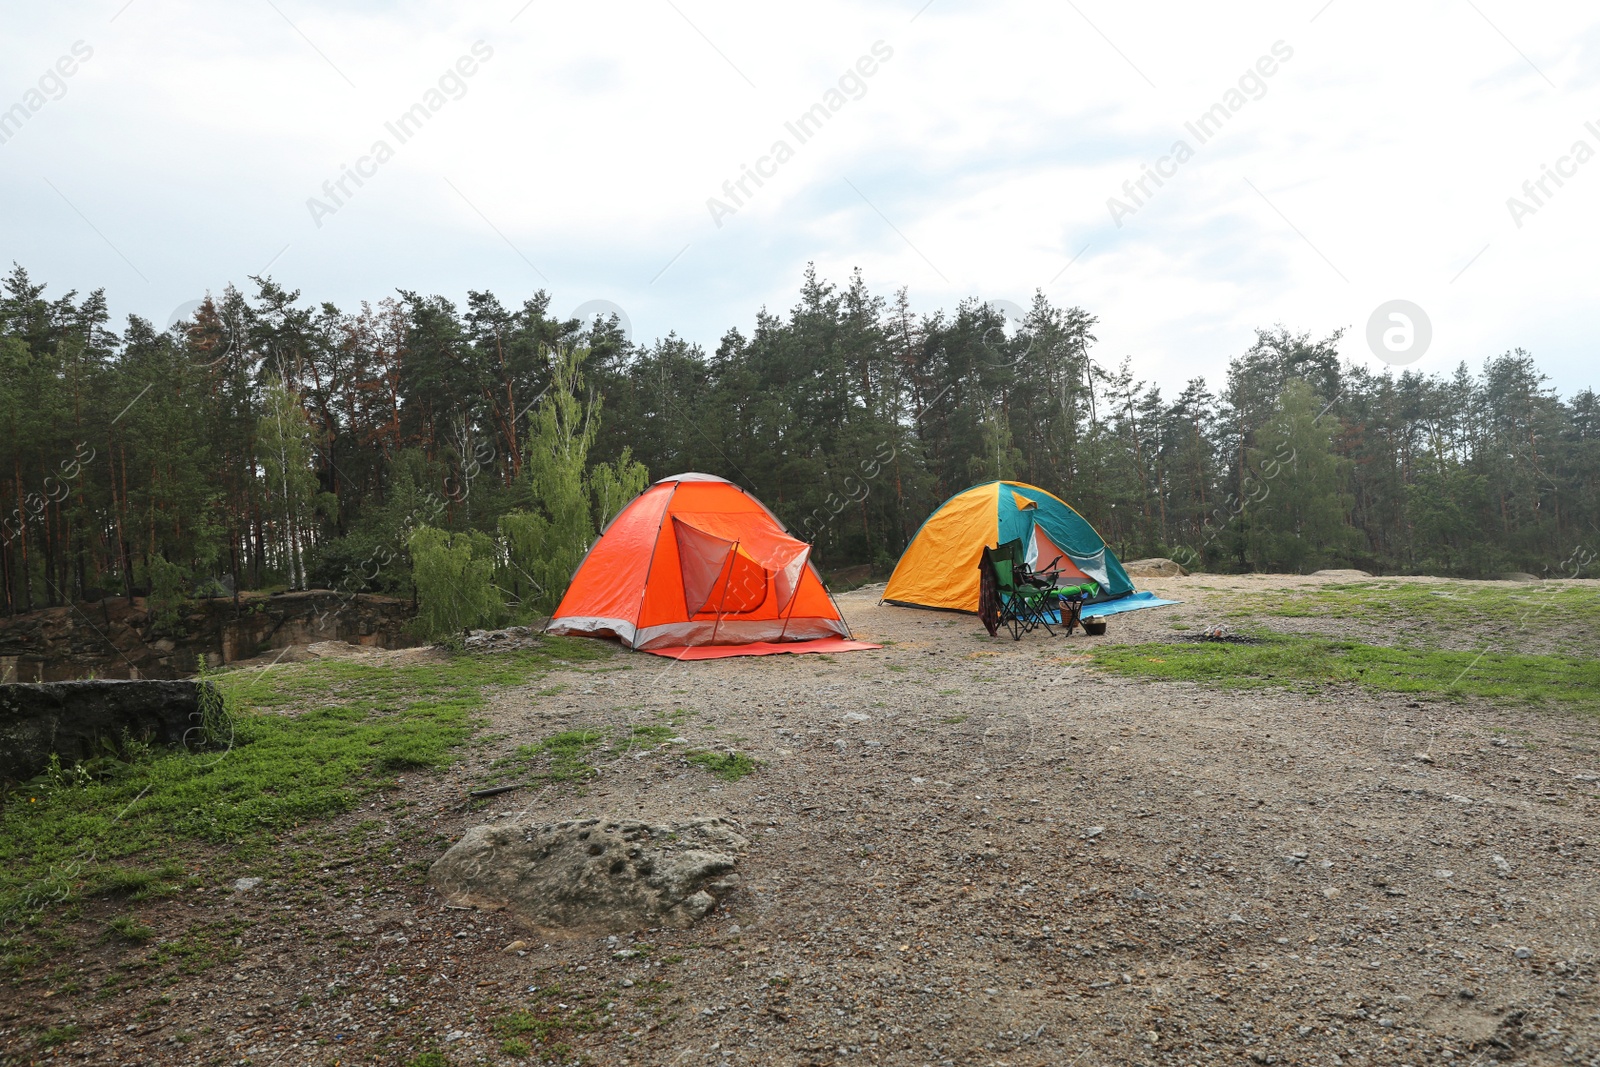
pixel 1073 534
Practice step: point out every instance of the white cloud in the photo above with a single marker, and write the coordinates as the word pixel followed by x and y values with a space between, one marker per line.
pixel 990 141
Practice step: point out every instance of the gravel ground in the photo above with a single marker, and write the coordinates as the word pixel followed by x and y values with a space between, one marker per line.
pixel 964 851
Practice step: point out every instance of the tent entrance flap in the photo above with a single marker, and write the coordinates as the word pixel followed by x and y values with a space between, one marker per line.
pixel 1045 554
pixel 729 575
pixel 704 561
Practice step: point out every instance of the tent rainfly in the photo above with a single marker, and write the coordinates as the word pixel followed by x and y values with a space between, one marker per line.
pixel 696 561
pixel 939 568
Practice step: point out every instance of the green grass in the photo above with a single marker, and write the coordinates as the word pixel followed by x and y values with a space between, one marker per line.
pixel 568 754
pixel 525 1029
pixel 1305 662
pixel 570 757
pixel 130 929
pixel 729 766
pixel 1457 606
pixel 131 830
pixel 59 1035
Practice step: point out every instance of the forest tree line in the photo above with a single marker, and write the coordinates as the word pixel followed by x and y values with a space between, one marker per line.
pixel 271 443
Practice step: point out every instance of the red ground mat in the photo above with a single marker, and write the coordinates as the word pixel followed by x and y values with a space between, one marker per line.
pixel 763 648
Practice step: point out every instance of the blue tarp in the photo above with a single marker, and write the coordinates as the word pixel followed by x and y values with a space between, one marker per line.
pixel 1132 602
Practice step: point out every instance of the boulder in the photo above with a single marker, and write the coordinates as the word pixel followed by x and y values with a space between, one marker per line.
pixel 593 875
pixel 1158 567
pixel 77 720
pixel 507 640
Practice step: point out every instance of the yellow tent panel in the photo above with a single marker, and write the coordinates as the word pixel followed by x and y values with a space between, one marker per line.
pixel 940 566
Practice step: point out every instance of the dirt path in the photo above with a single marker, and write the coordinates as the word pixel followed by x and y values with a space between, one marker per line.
pixel 969 851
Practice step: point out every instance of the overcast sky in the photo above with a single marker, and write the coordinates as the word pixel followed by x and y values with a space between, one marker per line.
pixel 1357 152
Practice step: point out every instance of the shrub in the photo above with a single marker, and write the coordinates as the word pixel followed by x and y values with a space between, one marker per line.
pixel 454 576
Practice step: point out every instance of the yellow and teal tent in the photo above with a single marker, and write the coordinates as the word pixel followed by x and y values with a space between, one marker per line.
pixel 939 568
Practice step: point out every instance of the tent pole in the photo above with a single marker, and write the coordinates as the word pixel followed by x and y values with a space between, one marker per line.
pixel 733 557
pixel 804 565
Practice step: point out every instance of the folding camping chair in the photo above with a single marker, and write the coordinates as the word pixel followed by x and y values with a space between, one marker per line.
pixel 1012 596
pixel 1068 600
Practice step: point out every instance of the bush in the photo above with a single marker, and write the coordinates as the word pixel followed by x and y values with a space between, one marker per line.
pixel 166 600
pixel 454 576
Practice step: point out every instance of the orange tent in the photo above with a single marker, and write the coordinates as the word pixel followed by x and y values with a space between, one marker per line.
pixel 695 560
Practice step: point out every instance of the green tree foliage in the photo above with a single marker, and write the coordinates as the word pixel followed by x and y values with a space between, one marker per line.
pixel 612 485
pixel 1298 484
pixel 167 598
pixel 454 575
pixel 272 441
pixel 547 541
pixel 286 449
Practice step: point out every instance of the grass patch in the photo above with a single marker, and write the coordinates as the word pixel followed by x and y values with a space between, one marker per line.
pixel 59 1035
pixel 130 831
pixel 567 753
pixel 526 1030
pixel 1305 662
pixel 1449 607
pixel 130 929
pixel 729 766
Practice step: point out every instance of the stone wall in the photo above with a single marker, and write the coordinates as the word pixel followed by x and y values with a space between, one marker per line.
pixel 78 721
pixel 113 638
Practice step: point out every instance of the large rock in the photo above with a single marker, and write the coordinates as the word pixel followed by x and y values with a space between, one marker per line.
pixel 1158 567
pixel 594 875
pixel 76 720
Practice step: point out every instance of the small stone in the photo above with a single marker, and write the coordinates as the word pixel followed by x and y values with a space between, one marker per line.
pixel 1501 863
pixel 1236 918
pixel 244 885
pixel 1094 831
pixel 855 716
pixel 515 946
pixel 1151 1037
pixel 1522 952
pixel 1423 757
pixel 1444 874
pixel 455 1035
pixel 626 983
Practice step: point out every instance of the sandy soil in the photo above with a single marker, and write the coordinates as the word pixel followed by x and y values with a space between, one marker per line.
pixel 964 851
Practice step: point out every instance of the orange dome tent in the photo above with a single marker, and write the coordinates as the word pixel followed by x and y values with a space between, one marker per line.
pixel 695 567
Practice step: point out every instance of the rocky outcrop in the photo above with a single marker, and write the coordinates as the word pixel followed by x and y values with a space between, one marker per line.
pixel 81 720
pixel 511 639
pixel 594 875
pixel 1157 567
pixel 115 638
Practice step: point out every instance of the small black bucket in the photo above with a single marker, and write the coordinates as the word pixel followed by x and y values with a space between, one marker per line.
pixel 1094 627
